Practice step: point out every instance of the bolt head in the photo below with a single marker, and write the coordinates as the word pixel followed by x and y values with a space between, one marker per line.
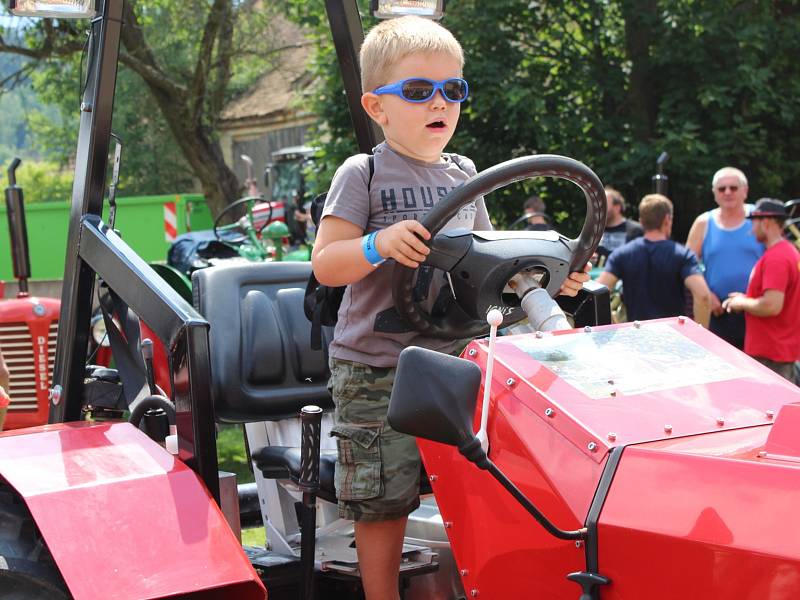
pixel 667 428
pixel 464 572
pixel 539 334
pixel 579 543
pixel 588 329
pixel 592 447
pixel 762 454
pixel 510 381
pixel 448 524
pixel 612 436
pixel 474 593
pixel 549 412
pixel 637 324
pixel 770 414
pixel 433 477
pixel 720 421
pixel 54 395
pixel 472 352
pixel 681 319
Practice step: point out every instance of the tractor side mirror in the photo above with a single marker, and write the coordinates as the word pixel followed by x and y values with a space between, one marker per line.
pixel 60 9
pixel 434 397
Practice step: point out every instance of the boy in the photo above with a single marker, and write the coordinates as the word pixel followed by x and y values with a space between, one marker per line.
pixel 412 69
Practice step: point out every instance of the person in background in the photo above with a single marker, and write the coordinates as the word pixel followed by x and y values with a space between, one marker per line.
pixel 619 230
pixel 654 269
pixel 726 245
pixel 771 306
pixel 536 214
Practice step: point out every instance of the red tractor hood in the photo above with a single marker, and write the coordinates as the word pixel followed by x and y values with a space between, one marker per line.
pixel 122 518
pixel 705 489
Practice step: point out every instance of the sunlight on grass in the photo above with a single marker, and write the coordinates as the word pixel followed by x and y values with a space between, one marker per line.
pixel 254 537
pixel 232 453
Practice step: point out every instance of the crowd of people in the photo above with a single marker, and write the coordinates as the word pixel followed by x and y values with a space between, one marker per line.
pixel 736 273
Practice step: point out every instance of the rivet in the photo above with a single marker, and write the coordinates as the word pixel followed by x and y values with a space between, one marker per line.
pixel 448 524
pixel 770 414
pixel 592 447
pixel 433 477
pixel 464 572
pixel 474 593
pixel 539 334
pixel 549 412
pixel 587 329
pixel 510 381
pixel 762 454
pixel 472 352
pixel 720 421
pixel 86 107
pixel 637 324
pixel 667 428
pixel 579 543
pixel 612 436
pixel 681 319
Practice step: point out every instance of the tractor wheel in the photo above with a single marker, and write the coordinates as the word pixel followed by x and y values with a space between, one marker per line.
pixel 27 569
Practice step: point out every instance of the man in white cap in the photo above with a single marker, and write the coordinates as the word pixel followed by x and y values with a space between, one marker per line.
pixel 771 305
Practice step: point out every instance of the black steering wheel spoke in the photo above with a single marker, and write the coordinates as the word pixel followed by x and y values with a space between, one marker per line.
pixel 480 264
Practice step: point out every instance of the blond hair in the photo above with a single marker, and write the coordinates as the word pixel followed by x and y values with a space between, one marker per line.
pixel 653 209
pixel 392 40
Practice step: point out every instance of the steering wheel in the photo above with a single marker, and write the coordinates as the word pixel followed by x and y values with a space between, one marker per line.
pixel 249 201
pixel 480 264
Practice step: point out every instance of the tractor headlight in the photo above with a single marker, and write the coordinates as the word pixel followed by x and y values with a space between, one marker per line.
pixel 98 330
pixel 61 9
pixel 388 9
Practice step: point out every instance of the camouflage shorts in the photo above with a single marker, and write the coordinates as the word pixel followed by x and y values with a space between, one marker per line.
pixel 377 470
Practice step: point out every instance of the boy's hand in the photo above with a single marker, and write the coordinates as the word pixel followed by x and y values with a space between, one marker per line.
pixel 573 284
pixel 401 243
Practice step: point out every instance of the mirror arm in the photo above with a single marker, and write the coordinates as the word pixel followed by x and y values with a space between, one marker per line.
pixel 472 451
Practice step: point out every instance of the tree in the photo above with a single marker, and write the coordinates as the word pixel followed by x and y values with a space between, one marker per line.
pixel 613 83
pixel 191 57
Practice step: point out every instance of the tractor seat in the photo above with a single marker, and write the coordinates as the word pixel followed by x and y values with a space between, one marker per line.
pixel 281 462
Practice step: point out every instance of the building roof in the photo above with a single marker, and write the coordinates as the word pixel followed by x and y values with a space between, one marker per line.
pixel 276 94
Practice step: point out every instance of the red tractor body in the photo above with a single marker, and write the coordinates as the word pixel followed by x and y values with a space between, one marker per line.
pixel 132 522
pixel 701 504
pixel 28 331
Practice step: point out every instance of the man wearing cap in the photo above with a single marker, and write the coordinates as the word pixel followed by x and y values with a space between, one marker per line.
pixel 771 305
pixel 724 242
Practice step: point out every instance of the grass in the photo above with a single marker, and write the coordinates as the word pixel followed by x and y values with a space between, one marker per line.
pixel 232 455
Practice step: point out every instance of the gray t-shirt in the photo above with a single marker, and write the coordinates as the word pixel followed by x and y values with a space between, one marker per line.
pixel 401 188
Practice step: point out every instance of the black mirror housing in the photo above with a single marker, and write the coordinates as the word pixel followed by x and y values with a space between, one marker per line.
pixel 434 396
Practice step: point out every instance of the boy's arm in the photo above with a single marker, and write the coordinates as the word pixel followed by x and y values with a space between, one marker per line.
pixel 338 257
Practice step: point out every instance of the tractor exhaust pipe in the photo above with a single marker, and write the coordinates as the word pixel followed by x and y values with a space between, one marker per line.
pixel 17 230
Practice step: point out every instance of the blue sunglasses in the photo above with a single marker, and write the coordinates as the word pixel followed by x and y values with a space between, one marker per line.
pixel 419 89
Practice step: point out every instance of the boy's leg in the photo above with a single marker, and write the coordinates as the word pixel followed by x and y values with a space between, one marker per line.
pixel 379 545
pixel 377 472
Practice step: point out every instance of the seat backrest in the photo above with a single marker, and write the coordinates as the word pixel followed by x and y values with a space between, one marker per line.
pixel 263 368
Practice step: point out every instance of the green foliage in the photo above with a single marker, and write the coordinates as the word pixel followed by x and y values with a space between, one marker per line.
pixel 613 84
pixel 44 182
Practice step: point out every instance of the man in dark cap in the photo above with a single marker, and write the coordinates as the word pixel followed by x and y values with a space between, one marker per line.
pixel 772 302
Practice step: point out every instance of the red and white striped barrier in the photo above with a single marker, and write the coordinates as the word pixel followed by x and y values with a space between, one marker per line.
pixel 170 222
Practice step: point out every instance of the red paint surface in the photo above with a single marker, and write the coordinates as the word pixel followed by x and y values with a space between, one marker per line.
pixel 694 513
pixel 123 518
pixel 20 310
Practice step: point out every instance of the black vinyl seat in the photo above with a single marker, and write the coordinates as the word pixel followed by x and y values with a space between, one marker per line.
pixel 263 366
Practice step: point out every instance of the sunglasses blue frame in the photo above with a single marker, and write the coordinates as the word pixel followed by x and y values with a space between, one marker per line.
pixel 396 89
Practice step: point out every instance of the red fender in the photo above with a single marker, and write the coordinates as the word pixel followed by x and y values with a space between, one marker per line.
pixel 123 518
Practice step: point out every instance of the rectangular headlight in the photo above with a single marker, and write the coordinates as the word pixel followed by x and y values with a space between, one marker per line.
pixel 62 9
pixel 388 9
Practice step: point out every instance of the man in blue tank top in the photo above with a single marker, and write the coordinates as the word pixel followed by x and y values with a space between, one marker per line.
pixel 723 240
